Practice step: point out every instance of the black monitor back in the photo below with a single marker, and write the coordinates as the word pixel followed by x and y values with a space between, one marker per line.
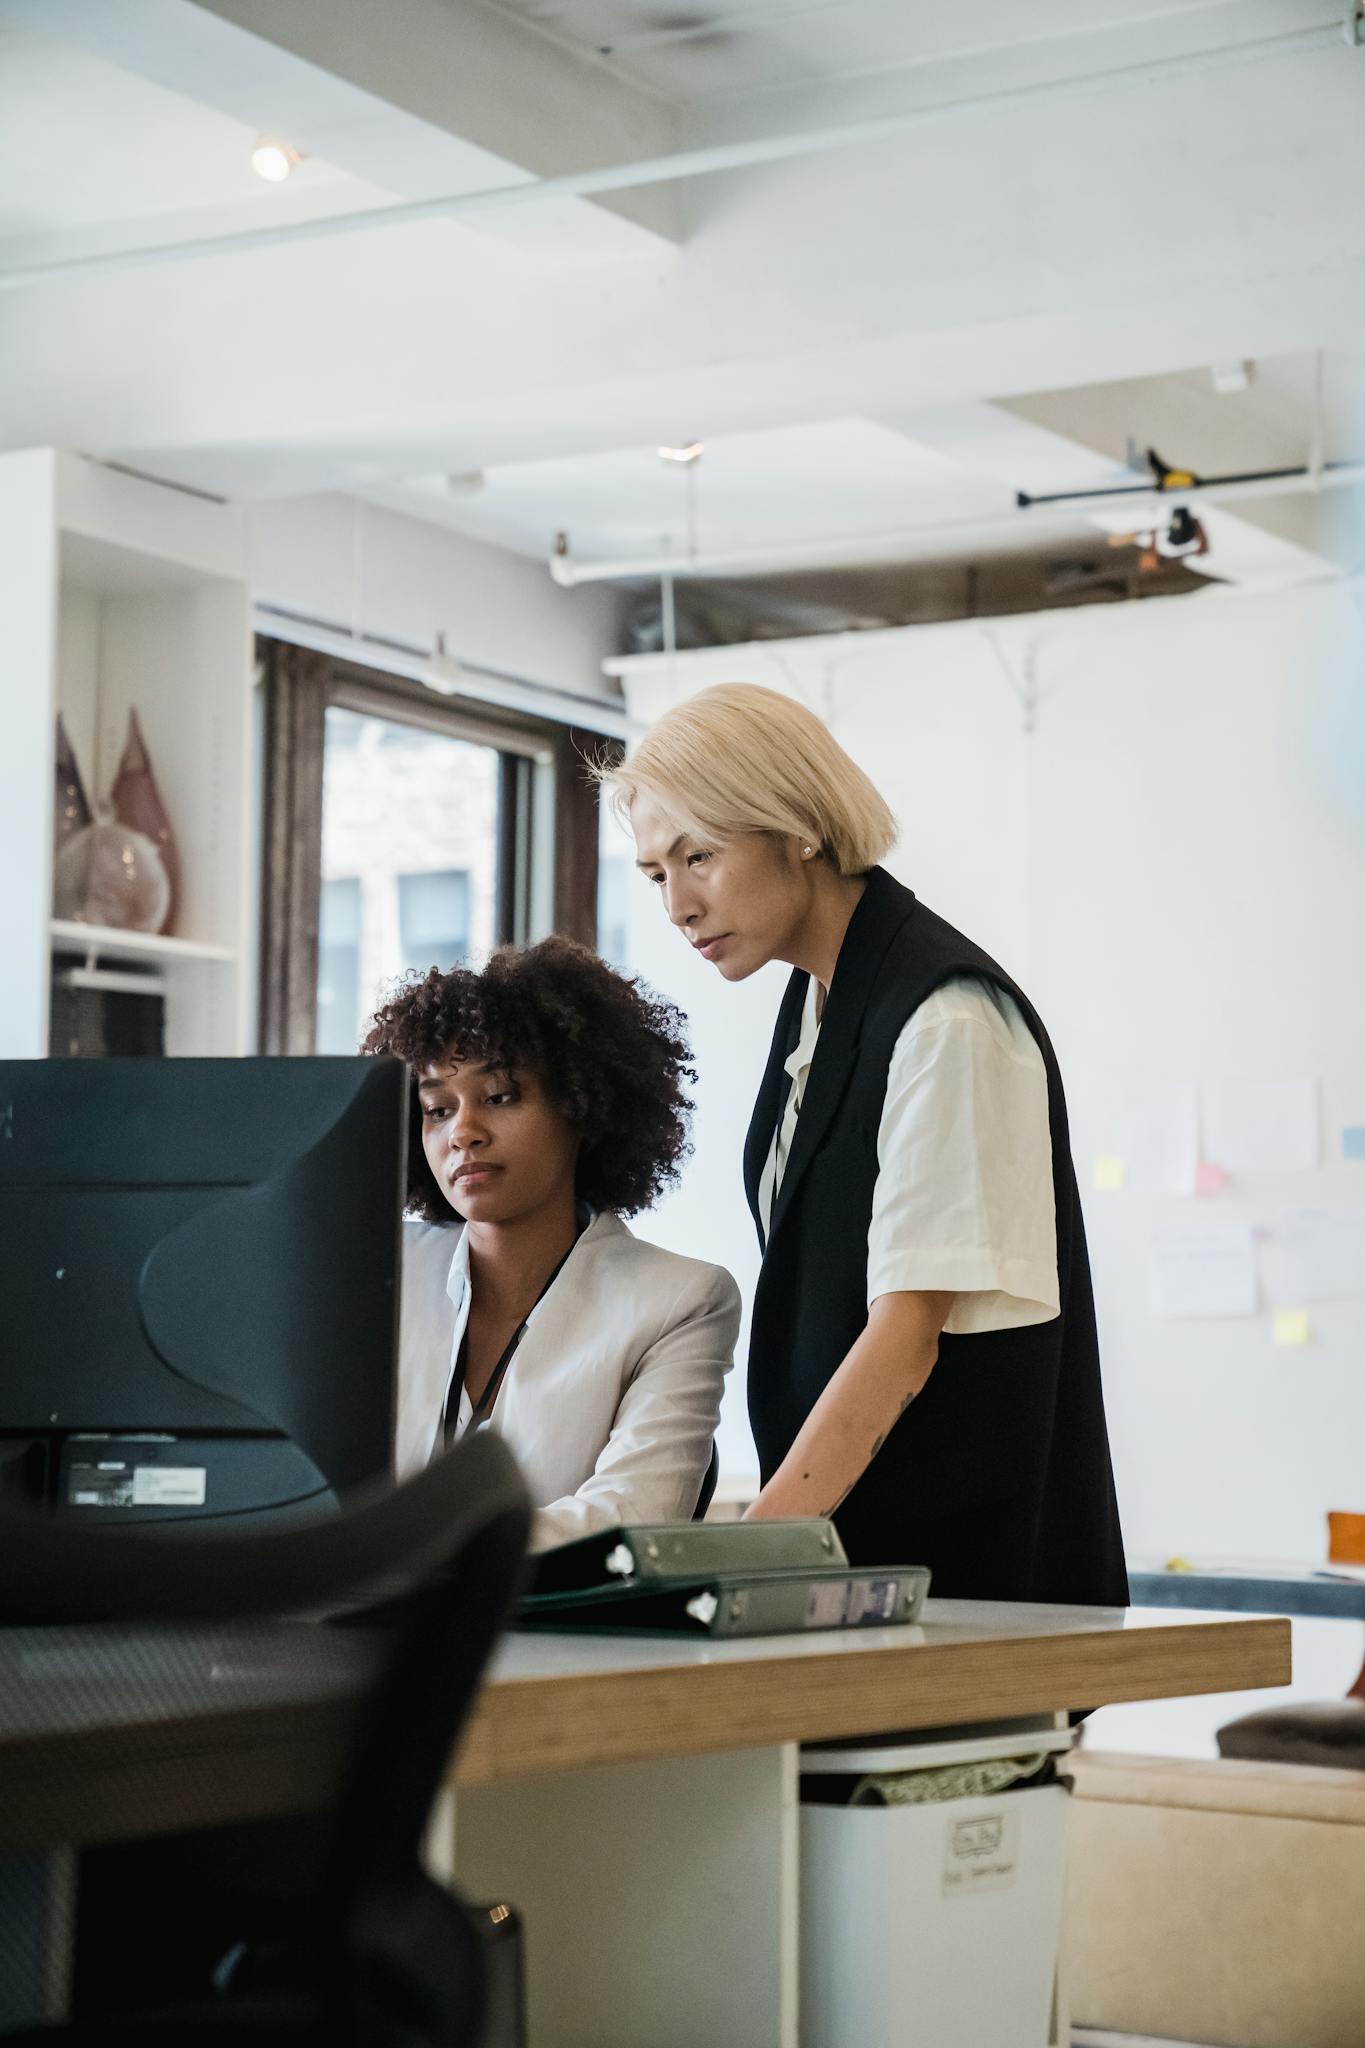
pixel 199 1264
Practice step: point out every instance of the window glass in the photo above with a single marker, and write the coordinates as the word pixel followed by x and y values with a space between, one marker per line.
pixel 433 918
pixel 615 863
pixel 409 862
pixel 338 963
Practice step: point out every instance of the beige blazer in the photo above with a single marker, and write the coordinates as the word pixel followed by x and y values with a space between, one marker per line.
pixel 611 1399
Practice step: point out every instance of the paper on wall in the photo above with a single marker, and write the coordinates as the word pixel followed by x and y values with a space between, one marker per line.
pixel 1205 1269
pixel 1261 1126
pixel 1160 1124
pixel 1323 1251
pixel 1293 1327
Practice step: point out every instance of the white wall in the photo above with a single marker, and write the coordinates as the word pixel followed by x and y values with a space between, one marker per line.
pixel 28 705
pixel 369 570
pixel 1173 865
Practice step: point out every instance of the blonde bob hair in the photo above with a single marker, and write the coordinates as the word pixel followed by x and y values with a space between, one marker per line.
pixel 737 758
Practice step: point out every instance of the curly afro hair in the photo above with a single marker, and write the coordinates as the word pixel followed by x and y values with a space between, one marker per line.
pixel 610 1054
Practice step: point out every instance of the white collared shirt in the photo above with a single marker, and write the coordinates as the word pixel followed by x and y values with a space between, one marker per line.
pixel 797 1065
pixel 458 1294
pixel 964 1200
pixel 611 1399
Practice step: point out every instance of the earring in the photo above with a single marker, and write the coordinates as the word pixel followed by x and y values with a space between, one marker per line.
pixel 806 852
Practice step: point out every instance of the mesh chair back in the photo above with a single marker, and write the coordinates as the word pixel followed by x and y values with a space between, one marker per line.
pixel 442 1555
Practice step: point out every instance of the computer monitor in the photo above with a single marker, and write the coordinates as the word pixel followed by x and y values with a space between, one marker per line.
pixel 199 1273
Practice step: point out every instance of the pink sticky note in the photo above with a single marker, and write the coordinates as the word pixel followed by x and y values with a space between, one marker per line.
pixel 1209 1180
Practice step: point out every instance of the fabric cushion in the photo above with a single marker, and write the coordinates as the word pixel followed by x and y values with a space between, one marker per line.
pixel 1326 1733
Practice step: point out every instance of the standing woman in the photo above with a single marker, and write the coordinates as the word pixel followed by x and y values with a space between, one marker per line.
pixel 923 1359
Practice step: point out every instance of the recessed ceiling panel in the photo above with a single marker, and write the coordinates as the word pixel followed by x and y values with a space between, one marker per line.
pixel 709 50
pixel 837 477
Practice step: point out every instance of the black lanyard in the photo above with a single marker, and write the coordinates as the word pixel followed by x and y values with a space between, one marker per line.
pixel 483 1407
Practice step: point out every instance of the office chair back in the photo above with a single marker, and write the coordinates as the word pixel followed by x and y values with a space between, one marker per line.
pixel 415 1967
pixel 708 1486
pixel 399 1963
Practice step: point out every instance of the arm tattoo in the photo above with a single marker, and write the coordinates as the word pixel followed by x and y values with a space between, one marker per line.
pixel 881 1439
pixel 876 1446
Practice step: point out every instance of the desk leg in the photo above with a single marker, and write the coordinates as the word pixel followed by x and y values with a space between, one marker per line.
pixel 1059 2033
pixel 659 1900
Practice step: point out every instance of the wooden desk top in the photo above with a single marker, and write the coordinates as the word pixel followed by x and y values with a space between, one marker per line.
pixel 564 1701
pixel 108 1733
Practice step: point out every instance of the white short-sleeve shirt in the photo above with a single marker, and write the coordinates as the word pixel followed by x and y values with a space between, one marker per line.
pixel 964 1198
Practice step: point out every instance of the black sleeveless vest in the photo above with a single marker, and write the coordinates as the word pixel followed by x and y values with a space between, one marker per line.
pixel 998 1475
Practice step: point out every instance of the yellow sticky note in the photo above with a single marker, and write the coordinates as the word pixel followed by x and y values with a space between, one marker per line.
pixel 1108 1175
pixel 1292 1326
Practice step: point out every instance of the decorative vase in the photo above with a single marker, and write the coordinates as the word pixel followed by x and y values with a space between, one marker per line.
pixel 137 805
pixel 71 809
pixel 108 874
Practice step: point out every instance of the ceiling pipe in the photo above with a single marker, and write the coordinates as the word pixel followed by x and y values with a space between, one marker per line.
pixel 1224 490
pixel 1149 507
pixel 695 163
pixel 1310 476
pixel 813 552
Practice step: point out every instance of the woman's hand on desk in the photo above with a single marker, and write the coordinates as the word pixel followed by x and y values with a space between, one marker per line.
pixel 861 1405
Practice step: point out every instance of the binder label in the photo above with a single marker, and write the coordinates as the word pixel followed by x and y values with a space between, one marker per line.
pixel 851 1603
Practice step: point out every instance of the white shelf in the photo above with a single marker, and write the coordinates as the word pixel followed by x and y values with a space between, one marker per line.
pixel 70 935
pixel 118 594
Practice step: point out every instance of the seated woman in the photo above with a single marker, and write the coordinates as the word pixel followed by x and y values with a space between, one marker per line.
pixel 547 1103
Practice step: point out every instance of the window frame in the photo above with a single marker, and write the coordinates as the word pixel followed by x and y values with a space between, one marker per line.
pixel 547 817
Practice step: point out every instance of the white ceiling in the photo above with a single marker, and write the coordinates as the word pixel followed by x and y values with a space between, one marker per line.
pixel 746 48
pixel 898 332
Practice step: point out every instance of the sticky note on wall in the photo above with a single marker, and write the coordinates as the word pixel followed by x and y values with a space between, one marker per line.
pixel 1107 1175
pixel 1209 1179
pixel 1353 1141
pixel 1292 1326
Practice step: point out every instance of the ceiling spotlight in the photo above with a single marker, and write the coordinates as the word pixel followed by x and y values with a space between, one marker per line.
pixel 1184 536
pixel 685 455
pixel 272 160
